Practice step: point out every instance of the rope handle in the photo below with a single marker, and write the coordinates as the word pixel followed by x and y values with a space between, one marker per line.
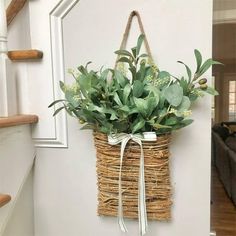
pixel 126 35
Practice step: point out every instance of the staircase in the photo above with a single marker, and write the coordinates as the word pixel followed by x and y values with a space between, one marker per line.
pixel 17 154
pixel 17 151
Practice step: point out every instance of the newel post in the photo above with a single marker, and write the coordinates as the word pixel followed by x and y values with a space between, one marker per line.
pixel 8 103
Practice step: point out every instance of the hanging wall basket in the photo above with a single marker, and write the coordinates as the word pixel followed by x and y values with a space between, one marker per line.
pixel 157 177
pixel 132 118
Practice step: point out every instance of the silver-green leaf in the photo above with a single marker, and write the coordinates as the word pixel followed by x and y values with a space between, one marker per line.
pixel 174 94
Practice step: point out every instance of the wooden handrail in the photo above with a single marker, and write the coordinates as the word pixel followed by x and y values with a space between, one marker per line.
pixel 19 55
pixel 18 120
pixel 4 199
pixel 12 10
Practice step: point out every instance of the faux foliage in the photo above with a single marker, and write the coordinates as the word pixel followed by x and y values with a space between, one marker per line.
pixel 142 99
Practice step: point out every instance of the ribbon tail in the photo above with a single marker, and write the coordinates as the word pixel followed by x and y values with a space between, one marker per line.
pixel 122 224
pixel 120 206
pixel 142 196
pixel 120 213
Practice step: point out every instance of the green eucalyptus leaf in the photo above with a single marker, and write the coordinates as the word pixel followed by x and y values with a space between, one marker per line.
pixel 162 100
pixel 92 107
pixel 94 80
pixel 187 69
pixel 125 108
pixel 88 126
pixel 184 84
pixel 152 103
pixel 187 122
pixel 132 69
pixel 163 74
pixel 206 65
pixel 211 91
pixel 174 94
pixel 55 102
pixel 71 99
pixel 104 74
pixel 198 58
pixel 151 89
pixel 125 59
pixel 134 51
pixel 104 130
pixel 193 97
pixel 141 73
pixel 58 110
pixel 86 66
pixel 117 99
pixel 171 121
pixel 120 78
pixel 85 84
pixel 113 117
pixel 127 91
pixel 184 105
pixel 182 124
pixel 142 105
pixel 162 113
pixel 139 43
pixel 137 88
pixel 133 111
pixel 159 126
pixel 103 111
pixel 138 126
pixel 121 126
pixel 89 116
pixel 123 53
pixel 62 86
pixel 152 120
pixel 83 70
pixel 115 86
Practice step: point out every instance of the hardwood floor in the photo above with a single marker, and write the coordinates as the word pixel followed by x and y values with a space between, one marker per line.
pixel 223 212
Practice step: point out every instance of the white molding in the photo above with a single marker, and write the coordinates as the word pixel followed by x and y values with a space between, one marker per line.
pixel 57 15
pixel 224 16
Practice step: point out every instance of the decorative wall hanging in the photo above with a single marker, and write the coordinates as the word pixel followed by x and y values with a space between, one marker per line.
pixel 133 114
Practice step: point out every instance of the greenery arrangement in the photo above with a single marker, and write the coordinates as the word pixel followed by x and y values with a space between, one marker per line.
pixel 141 99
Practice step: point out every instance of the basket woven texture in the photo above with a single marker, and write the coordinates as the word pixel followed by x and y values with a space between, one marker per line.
pixel 157 177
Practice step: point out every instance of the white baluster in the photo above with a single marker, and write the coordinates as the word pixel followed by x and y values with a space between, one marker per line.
pixel 3 28
pixel 8 104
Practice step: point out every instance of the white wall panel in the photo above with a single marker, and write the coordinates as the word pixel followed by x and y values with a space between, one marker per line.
pixel 41 85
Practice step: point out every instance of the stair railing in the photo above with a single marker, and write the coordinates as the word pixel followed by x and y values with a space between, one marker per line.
pixel 8 102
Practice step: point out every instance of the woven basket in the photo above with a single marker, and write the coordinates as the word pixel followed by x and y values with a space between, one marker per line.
pixel 157 177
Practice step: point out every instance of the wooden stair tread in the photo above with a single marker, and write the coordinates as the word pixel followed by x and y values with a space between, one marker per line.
pixel 13 9
pixel 4 199
pixel 19 55
pixel 17 120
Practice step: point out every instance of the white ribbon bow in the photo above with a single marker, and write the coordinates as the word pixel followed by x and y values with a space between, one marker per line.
pixel 124 138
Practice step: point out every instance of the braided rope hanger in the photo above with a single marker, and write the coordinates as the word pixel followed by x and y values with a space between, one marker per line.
pixel 126 34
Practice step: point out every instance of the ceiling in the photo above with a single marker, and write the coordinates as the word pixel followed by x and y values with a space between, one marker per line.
pixel 224 5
